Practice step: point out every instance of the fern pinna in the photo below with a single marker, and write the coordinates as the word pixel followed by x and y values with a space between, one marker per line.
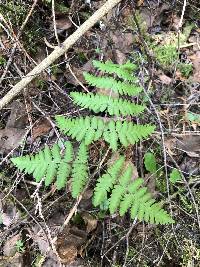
pixel 91 129
pixel 57 164
pixel 123 193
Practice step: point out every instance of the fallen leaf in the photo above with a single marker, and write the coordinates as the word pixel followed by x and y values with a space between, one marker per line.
pixel 195 58
pixel 16 261
pixel 122 41
pixel 12 135
pixel 90 221
pixel 165 79
pixel 77 73
pixel 120 57
pixel 9 248
pixel 63 24
pixel 189 144
pixel 9 213
pixel 18 117
pixel 11 138
pixel 69 243
pixel 41 128
pixel 150 182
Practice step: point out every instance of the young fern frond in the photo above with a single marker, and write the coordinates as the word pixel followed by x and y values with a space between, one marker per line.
pixel 91 129
pixel 48 163
pixel 80 171
pixel 123 88
pixel 126 194
pixel 99 103
pixel 123 71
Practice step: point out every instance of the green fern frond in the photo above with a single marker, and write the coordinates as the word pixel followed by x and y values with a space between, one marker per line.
pixel 48 163
pixel 126 194
pixel 99 103
pixel 80 171
pixel 123 71
pixel 123 88
pixel 91 129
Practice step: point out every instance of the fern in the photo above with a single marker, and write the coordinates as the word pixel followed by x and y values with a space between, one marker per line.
pixel 116 184
pixel 123 71
pixel 99 103
pixel 48 163
pixel 126 194
pixel 91 129
pixel 79 171
pixel 123 88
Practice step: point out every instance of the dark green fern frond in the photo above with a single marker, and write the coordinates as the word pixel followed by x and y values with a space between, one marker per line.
pixel 48 163
pixel 105 183
pixel 91 129
pixel 80 171
pixel 99 103
pixel 123 71
pixel 126 194
pixel 123 88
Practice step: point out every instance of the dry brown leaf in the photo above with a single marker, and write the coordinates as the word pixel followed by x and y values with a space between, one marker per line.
pixel 122 41
pixel 9 248
pixel 120 57
pixel 18 117
pixel 165 79
pixel 11 138
pixel 16 261
pixel 188 143
pixel 63 24
pixel 41 128
pixel 195 58
pixel 77 73
pixel 150 181
pixel 69 243
pixel 90 221
pixel 12 135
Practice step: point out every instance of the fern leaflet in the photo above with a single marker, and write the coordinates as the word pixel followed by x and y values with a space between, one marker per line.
pixel 123 71
pixel 91 129
pixel 106 182
pixel 126 194
pixel 99 103
pixel 123 88
pixel 48 163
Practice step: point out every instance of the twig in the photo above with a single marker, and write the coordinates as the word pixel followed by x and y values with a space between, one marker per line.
pixel 54 22
pixel 182 15
pixel 58 51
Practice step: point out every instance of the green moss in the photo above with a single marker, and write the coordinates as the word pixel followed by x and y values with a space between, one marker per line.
pixel 166 55
pixel 185 69
pixel 2 61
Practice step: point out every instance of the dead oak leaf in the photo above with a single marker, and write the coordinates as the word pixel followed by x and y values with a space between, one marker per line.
pixel 41 128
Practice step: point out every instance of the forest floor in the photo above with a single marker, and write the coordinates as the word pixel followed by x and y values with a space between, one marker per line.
pixel 163 39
